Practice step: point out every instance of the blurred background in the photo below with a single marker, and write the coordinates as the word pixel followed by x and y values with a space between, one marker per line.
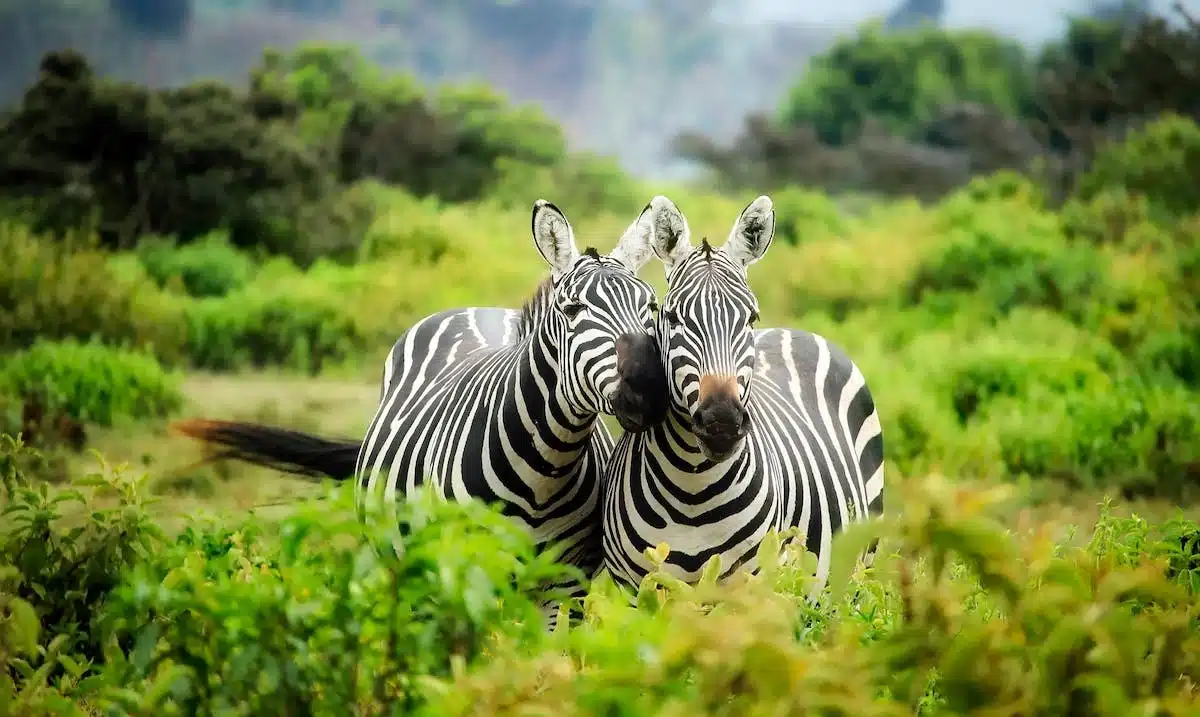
pixel 231 208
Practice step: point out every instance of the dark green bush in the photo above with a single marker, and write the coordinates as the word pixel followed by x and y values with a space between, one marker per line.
pixel 130 161
pixel 91 381
pixel 208 266
pixel 1160 161
pixel 52 290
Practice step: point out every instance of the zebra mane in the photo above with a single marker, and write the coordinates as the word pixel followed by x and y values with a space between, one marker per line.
pixel 535 306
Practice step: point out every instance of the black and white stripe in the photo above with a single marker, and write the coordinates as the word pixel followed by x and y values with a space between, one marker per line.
pixel 503 405
pixel 768 428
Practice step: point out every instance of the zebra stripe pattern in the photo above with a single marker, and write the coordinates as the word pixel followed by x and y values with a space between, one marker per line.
pixel 502 405
pixel 767 428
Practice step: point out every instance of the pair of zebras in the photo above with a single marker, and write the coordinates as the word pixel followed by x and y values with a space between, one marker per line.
pixel 730 430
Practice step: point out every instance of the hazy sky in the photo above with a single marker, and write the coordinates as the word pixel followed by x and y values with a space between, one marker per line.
pixel 1031 21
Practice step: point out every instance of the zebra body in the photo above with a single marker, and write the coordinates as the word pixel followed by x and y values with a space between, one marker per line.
pixel 503 405
pixel 767 429
pixel 463 411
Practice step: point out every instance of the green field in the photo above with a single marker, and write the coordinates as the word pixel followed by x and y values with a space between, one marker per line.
pixel 1033 347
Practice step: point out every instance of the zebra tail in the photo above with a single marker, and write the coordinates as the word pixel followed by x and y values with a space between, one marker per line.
pixel 273 447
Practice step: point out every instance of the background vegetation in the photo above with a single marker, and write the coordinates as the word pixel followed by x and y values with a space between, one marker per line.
pixel 1031 331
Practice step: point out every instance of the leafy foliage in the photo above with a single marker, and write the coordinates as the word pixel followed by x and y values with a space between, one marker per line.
pixel 91 382
pixel 319 613
pixel 209 266
pixel 71 290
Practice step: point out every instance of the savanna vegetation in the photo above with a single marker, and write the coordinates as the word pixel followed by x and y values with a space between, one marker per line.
pixel 1031 332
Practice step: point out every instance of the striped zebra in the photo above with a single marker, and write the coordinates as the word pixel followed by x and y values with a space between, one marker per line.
pixel 767 428
pixel 502 405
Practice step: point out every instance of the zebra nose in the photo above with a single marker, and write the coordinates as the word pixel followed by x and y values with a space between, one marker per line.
pixel 716 416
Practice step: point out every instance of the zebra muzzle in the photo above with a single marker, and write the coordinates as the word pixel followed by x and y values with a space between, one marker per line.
pixel 720 421
pixel 641 397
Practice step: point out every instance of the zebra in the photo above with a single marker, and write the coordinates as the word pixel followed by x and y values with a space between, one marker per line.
pixel 502 405
pixel 767 428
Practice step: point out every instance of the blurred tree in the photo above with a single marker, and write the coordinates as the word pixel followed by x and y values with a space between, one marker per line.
pixel 131 161
pixel 900 79
pixel 1105 78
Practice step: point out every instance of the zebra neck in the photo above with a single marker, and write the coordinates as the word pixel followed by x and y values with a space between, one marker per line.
pixel 536 404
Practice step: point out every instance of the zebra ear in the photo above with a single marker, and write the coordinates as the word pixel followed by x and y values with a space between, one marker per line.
pixel 752 233
pixel 633 249
pixel 668 230
pixel 554 237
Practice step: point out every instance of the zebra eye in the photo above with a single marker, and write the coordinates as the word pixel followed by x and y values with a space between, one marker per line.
pixel 670 316
pixel 653 306
pixel 572 309
pixel 753 318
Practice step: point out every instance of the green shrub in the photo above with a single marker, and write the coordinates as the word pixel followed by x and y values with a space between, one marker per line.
pixel 208 266
pixel 801 214
pixel 999 368
pixel 410 227
pixel 1009 256
pixel 1136 438
pixel 972 619
pixel 1159 161
pixel 300 324
pixel 60 570
pixel 91 381
pixel 1113 215
pixel 1005 185
pixel 335 617
pixel 583 184
pixel 55 290
pixel 317 613
pixel 901 79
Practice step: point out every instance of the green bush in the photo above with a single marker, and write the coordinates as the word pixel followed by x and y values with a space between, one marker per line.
pixel 299 323
pixel 1136 438
pixel 1159 161
pixel 335 617
pixel 965 617
pixel 92 382
pixel 801 214
pixel 409 227
pixel 589 185
pixel 319 614
pixel 1008 255
pixel 55 290
pixel 58 571
pixel 208 266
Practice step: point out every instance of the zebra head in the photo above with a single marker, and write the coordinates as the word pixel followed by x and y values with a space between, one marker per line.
pixel 706 325
pixel 603 315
